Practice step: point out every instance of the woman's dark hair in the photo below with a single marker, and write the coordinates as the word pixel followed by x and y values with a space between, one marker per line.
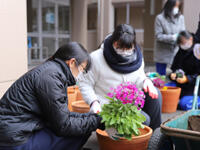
pixel 73 50
pixel 124 35
pixel 183 34
pixel 168 7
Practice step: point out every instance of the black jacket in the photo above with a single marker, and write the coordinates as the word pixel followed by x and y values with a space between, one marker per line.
pixel 39 99
pixel 197 35
pixel 186 61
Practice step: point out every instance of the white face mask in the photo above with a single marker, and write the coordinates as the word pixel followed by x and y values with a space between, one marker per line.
pixel 175 11
pixel 124 53
pixel 186 46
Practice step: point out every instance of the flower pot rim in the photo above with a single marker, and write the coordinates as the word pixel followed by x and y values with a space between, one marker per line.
pixel 98 131
pixel 170 88
pixel 80 102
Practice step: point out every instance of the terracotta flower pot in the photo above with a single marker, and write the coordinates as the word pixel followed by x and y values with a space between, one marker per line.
pixel 170 98
pixel 80 106
pixel 137 142
pixel 79 96
pixel 71 98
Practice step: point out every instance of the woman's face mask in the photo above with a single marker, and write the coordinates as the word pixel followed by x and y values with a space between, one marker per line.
pixel 187 44
pixel 175 11
pixel 124 53
pixel 77 70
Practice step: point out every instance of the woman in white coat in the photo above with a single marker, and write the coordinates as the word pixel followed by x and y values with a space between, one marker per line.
pixel 167 26
pixel 118 60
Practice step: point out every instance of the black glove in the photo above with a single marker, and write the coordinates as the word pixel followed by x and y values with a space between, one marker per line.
pixel 101 125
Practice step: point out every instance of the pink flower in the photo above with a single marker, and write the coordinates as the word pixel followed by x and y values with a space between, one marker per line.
pixel 128 93
pixel 110 95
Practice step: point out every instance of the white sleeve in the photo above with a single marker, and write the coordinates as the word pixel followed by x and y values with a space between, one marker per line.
pixel 160 35
pixel 141 76
pixel 86 84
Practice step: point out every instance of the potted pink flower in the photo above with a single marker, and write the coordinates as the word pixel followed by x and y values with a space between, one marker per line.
pixel 170 95
pixel 123 119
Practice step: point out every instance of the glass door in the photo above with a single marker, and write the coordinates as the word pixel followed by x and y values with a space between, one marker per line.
pixel 48 28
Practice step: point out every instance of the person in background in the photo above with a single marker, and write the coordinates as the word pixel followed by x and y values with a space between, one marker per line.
pixel 186 60
pixel 167 26
pixel 118 60
pixel 34 113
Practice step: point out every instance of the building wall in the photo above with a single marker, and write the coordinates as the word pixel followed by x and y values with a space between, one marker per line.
pixel 191 12
pixel 92 40
pixel 13 39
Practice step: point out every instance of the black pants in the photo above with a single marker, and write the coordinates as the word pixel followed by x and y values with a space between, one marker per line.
pixel 152 108
pixel 47 140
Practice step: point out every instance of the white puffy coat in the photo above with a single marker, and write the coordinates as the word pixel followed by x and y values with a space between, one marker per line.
pixel 97 83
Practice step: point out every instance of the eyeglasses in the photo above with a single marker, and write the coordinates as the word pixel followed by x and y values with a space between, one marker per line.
pixel 82 68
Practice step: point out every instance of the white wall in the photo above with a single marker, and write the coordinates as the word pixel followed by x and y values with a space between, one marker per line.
pixel 191 12
pixel 13 39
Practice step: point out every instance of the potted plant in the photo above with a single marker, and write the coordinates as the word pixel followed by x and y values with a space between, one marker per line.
pixel 123 120
pixel 170 95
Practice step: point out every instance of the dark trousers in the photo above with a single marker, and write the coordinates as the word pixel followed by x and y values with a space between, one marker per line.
pixel 161 68
pixel 47 140
pixel 152 107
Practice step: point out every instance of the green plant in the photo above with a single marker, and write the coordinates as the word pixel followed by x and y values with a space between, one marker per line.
pixel 123 111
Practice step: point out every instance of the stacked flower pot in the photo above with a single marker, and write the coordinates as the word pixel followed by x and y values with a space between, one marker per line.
pixel 75 100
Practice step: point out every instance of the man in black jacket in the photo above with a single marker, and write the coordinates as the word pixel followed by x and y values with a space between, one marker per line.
pixel 34 113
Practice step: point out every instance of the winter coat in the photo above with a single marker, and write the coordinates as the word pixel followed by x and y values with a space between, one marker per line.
pixel 39 99
pixel 165 47
pixel 97 83
pixel 186 61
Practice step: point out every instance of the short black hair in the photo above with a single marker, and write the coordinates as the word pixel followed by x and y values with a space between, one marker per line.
pixel 73 50
pixel 184 34
pixel 125 35
pixel 168 7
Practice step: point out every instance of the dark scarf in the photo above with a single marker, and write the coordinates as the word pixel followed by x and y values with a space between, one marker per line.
pixel 119 63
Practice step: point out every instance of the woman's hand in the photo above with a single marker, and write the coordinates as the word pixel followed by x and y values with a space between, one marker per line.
pixel 182 80
pixel 149 87
pixel 95 107
pixel 173 76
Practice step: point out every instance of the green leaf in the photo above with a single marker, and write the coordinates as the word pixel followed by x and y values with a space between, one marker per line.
pixel 120 130
pixel 113 121
pixel 109 98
